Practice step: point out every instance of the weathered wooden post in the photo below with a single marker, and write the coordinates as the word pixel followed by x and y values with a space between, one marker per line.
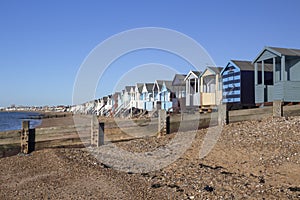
pixel 277 108
pixel 27 138
pixel 97 132
pixel 94 123
pixel 163 123
pixel 101 134
pixel 158 105
pixel 168 124
pixel 223 114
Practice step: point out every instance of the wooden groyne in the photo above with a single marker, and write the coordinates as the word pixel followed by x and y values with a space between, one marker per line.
pixel 123 130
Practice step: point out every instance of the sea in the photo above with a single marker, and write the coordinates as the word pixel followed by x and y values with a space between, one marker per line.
pixel 13 120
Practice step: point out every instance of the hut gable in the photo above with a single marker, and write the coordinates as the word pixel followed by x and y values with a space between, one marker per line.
pixel 178 80
pixel 147 87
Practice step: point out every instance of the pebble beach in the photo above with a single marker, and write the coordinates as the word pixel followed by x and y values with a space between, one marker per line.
pixel 251 160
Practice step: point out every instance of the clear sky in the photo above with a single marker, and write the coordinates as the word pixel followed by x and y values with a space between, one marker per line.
pixel 44 43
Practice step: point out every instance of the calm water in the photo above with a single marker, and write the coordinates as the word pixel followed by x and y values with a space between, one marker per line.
pixel 13 120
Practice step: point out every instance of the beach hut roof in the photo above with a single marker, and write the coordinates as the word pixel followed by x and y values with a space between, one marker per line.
pixel 149 86
pixel 128 88
pixel 216 70
pixel 139 86
pixel 178 80
pixel 278 51
pixel 195 73
pixel 248 66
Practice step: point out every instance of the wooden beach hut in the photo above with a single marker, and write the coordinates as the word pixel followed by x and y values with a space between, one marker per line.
pixel 192 85
pixel 165 95
pixel 211 93
pixel 156 93
pixel 99 106
pixel 138 96
pixel 284 84
pixel 126 96
pixel 238 84
pixel 178 85
pixel 109 105
pixel 161 94
pixel 147 96
pixel 132 97
pixel 116 102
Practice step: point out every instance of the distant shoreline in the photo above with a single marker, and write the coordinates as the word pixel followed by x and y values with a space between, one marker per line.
pixel 43 114
pixel 43 117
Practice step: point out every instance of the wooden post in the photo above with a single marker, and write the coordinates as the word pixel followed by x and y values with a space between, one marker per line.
pixel 27 138
pixel 101 134
pixel 277 108
pixel 223 114
pixel 255 74
pixel 167 124
pixel 283 78
pixel 158 105
pixel 263 81
pixel 97 132
pixel 274 71
pixel 163 123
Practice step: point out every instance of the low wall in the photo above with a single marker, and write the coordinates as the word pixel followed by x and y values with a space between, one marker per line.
pixel 260 113
pixel 249 114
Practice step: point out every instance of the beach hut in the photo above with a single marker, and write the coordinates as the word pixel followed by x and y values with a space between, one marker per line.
pixel 109 105
pixel 165 95
pixel 116 102
pixel 211 93
pixel 89 107
pixel 138 100
pixel 103 109
pixel 132 97
pixel 161 94
pixel 192 85
pixel 284 84
pixel 147 96
pixel 156 93
pixel 238 84
pixel 99 106
pixel 178 85
pixel 126 96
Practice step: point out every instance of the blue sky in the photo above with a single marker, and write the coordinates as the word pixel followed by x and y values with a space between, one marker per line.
pixel 44 43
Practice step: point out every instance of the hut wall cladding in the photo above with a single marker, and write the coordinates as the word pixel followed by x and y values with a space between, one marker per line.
pixel 247 88
pixel 287 91
pixel 232 86
pixel 259 98
pixel 294 74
